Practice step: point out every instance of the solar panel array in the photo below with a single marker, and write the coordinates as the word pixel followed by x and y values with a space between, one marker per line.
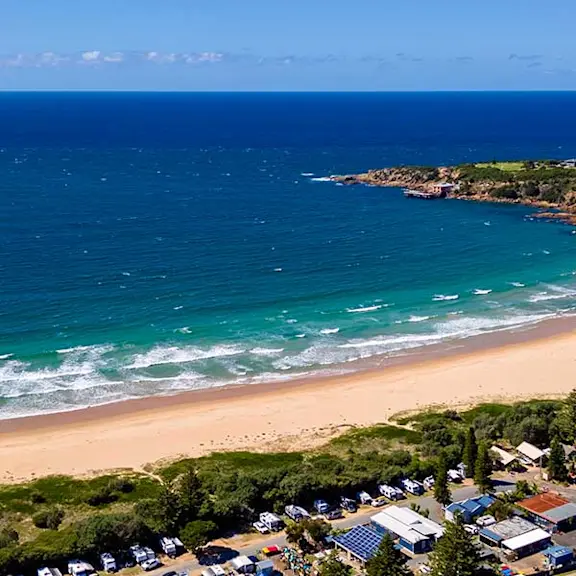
pixel 361 541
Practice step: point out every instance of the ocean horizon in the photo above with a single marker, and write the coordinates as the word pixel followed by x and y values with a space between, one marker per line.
pixel 153 243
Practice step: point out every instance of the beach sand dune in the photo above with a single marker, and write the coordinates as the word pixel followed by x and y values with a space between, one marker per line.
pixel 277 417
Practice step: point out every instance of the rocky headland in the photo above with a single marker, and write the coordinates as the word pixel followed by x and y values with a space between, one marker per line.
pixel 548 185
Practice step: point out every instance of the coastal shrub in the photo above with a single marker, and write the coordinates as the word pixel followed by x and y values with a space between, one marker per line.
pixel 102 496
pixel 505 192
pixel 197 534
pixel 37 497
pixel 121 484
pixel 49 519
pixel 8 537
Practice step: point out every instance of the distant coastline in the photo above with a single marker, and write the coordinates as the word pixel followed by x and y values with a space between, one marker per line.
pixel 549 185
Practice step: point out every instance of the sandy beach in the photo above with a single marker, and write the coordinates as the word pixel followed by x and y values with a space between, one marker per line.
pixel 284 416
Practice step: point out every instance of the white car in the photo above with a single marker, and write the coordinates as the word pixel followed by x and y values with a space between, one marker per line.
pixel 378 502
pixel 471 529
pixel 261 527
pixel 152 564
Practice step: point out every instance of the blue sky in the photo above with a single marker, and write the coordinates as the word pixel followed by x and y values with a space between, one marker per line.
pixel 287 44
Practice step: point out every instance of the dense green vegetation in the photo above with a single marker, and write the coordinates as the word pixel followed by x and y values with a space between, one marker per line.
pixel 546 181
pixel 50 520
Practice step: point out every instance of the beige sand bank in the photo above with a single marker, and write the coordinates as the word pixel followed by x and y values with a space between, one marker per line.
pixel 285 416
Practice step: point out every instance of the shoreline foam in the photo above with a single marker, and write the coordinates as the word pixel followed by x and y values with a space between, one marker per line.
pixel 289 414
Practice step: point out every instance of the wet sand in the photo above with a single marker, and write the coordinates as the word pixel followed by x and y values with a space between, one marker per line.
pixel 505 366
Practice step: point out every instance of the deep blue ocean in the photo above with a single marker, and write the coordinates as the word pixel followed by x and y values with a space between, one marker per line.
pixel 152 243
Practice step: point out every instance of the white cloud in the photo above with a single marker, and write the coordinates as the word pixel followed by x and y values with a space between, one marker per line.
pixel 91 56
pixel 114 57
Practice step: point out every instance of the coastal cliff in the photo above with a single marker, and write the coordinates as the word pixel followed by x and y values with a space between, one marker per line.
pixel 549 185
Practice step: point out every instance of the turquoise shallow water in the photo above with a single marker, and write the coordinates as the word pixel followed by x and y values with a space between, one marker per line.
pixel 158 243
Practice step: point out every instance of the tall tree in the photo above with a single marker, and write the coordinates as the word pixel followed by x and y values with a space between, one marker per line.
pixel 442 493
pixel 333 566
pixel 388 561
pixel 189 492
pixel 295 533
pixel 566 420
pixel 455 553
pixel 196 534
pixel 557 461
pixel 470 452
pixel 483 469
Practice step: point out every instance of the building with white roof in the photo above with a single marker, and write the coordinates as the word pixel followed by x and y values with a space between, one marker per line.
pixel 504 458
pixel 530 452
pixel 528 543
pixel 414 532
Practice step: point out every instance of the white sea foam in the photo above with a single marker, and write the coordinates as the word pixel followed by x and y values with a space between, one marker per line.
pixel 266 351
pixel 96 349
pixel 443 297
pixel 481 292
pixel 330 331
pixel 178 307
pixel 277 269
pixel 300 336
pixel 184 330
pixel 364 309
pixel 517 284
pixel 5 356
pixel 415 318
pixel 307 174
pixel 181 355
pixel 321 179
pixel 553 293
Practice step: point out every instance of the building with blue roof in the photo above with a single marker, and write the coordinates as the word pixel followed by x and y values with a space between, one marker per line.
pixel 360 543
pixel 558 556
pixel 468 509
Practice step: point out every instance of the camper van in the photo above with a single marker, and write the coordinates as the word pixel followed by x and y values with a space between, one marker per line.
pixel 171 546
pixel 108 562
pixel 364 497
pixel 412 487
pixel 79 568
pixel 429 482
pixel 138 553
pixel 390 492
pixel 455 476
pixel 321 506
pixel 296 513
pixel 271 521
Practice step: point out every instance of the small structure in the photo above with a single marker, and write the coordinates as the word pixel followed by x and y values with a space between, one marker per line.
pixel 516 536
pixel 531 453
pixel 265 567
pixel 415 533
pixel 558 557
pixel 468 509
pixel 505 459
pixel 420 194
pixel 360 543
pixel 550 511
pixel 443 188
pixel 569 451
pixel 242 564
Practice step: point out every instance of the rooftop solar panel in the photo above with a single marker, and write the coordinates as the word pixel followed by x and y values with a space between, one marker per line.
pixel 361 541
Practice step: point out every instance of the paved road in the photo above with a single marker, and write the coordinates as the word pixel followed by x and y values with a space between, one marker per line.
pixel 361 517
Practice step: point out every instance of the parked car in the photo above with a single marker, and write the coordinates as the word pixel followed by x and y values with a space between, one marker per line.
pixel 471 529
pixel 333 514
pixel 378 502
pixel 321 506
pixel 150 564
pixel 261 527
pixel 296 513
pixel 108 562
pixel 487 520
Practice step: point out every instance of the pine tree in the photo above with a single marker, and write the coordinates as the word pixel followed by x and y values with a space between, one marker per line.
pixel 455 553
pixel 483 469
pixel 557 461
pixel 332 566
pixel 470 452
pixel 442 493
pixel 388 561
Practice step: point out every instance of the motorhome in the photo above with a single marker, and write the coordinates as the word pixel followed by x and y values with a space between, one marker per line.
pixel 429 482
pixel 390 492
pixel 455 476
pixel 348 504
pixel 138 553
pixel 108 562
pixel 296 513
pixel 271 521
pixel 171 546
pixel 412 486
pixel 79 568
pixel 364 497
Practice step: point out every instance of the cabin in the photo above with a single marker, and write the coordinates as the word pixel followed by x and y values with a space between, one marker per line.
pixel 415 533
pixel 504 460
pixel 442 189
pixel 468 509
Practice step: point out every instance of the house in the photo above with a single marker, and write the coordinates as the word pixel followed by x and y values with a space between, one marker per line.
pixel 531 453
pixel 516 536
pixel 468 509
pixel 550 511
pixel 415 533
pixel 359 543
pixel 503 458
pixel 558 557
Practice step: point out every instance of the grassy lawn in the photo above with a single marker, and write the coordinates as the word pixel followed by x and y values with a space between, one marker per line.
pixel 504 166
